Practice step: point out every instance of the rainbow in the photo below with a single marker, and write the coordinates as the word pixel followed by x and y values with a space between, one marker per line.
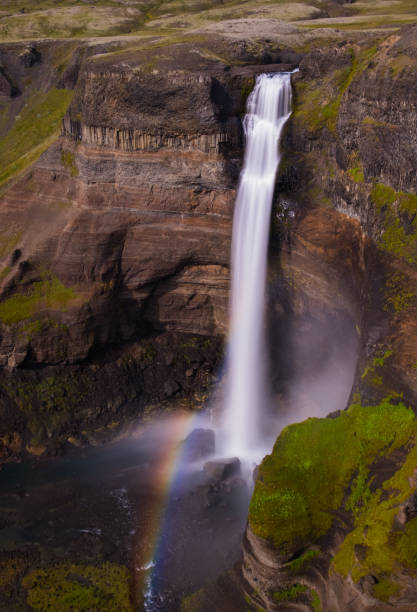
pixel 154 523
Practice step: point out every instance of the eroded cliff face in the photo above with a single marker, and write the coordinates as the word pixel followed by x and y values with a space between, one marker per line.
pixel 332 519
pixel 116 245
pixel 115 250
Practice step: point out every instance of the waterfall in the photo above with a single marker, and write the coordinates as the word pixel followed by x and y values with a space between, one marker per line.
pixel 268 108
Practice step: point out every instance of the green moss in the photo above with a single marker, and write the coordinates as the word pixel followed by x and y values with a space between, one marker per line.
pixel 50 399
pixel 373 373
pixel 47 293
pixel 407 202
pixel 33 131
pixel 360 491
pixel 398 242
pixel 290 594
pixel 318 103
pixel 380 361
pixel 315 601
pixel 357 173
pixel 384 589
pixel 303 561
pixel 323 455
pixel 400 221
pixel 315 194
pixel 382 195
pixel 388 548
pixel 68 160
pixel 78 588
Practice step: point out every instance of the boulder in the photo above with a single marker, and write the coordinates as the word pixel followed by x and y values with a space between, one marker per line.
pixel 222 469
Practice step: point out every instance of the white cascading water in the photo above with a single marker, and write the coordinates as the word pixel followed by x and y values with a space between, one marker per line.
pixel 268 108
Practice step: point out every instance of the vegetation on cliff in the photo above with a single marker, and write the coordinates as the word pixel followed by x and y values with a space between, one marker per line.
pixel 323 471
pixel 33 131
pixel 332 456
pixel 79 587
pixel 399 212
pixel 48 293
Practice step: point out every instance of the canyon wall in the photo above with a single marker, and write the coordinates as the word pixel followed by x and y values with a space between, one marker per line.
pixel 115 246
pixel 115 243
pixel 332 519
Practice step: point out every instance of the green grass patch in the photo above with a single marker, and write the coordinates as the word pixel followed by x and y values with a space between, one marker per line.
pixel 384 589
pixel 315 601
pixel 290 594
pixel 325 456
pixel 357 174
pixel 78 588
pixel 303 561
pixel 33 131
pixel 48 293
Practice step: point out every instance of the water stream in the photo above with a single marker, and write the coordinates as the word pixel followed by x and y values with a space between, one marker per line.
pixel 268 108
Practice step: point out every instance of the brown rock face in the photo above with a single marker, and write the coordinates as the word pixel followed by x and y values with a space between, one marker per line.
pixel 122 229
pixel 115 260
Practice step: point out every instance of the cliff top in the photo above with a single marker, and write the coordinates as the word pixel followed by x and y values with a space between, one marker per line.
pixel 128 20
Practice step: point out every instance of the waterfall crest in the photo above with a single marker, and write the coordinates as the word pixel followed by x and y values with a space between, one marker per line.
pixel 268 108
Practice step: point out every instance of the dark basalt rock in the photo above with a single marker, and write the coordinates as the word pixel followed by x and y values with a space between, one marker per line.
pixel 222 469
pixel 29 57
pixel 7 88
pixel 224 478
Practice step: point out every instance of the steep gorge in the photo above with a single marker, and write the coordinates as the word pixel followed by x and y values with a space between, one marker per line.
pixel 115 253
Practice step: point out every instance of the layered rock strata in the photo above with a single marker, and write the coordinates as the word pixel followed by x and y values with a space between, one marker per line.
pixel 121 231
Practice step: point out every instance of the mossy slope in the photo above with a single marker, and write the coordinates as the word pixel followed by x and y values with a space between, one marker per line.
pixel 48 293
pixel 79 587
pixel 322 473
pixel 306 478
pixel 33 131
